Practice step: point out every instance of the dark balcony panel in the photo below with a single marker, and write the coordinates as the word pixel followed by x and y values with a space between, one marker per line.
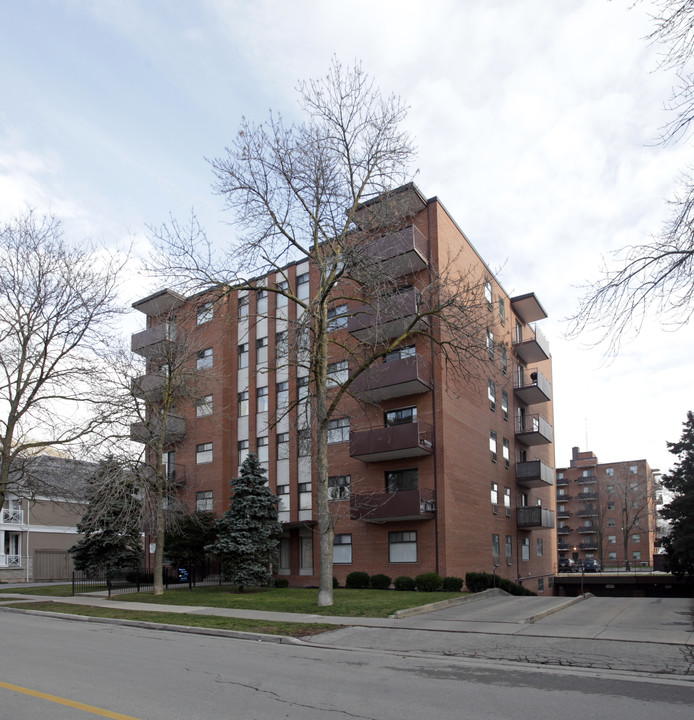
pixel 159 303
pixel 585 479
pixel 396 378
pixel 149 387
pixel 528 308
pixel 387 318
pixel 531 386
pixel 533 430
pixel 563 514
pixel 564 530
pixel 562 481
pixel 562 546
pixel 531 345
pixel 588 512
pixel 563 498
pixel 148 432
pixel 390 507
pixel 587 496
pixel 152 341
pixel 400 253
pixel 388 443
pixel 534 474
pixel 588 546
pixel 533 516
pixel 587 529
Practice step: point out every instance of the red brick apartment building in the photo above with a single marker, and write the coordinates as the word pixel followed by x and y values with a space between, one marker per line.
pixel 601 504
pixel 427 473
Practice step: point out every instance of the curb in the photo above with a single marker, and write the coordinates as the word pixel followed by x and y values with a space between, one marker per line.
pixel 557 608
pixel 442 604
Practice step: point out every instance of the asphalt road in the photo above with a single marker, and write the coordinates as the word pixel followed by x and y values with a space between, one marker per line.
pixel 87 670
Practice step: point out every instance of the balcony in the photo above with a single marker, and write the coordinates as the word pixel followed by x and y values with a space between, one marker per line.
pixel 528 308
pixel 587 496
pixel 400 253
pixel 563 498
pixel 587 529
pixel 11 516
pixel 175 474
pixel 534 516
pixel 563 514
pixel 387 317
pixel 8 561
pixel 530 344
pixel 151 432
pixel 588 546
pixel 534 474
pixel 149 387
pixel 531 386
pixel 563 547
pixel 392 507
pixel 564 530
pixel 587 512
pixel 562 481
pixel 586 479
pixel 389 443
pixel 154 340
pixel 533 430
pixel 396 378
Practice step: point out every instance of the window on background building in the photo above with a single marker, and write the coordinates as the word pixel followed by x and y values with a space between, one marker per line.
pixel 507 499
pixel 495 546
pixel 634 487
pixel 611 522
pixel 633 469
pixel 402 547
pixel 305 496
pixel 540 547
pixel 635 504
pixel 612 555
pixel 524 499
pixel 488 293
pixel 339 487
pixel 507 453
pixel 503 357
pixel 504 404
pixel 637 522
pixel 636 538
pixel 610 489
pixel 243 450
pixel 205 359
pixel 205 313
pixel 261 302
pixel 282 395
pixel 490 344
pixel 561 491
pixel 400 353
pixel 338 372
pixel 283 498
pixel 561 508
pixel 243 356
pixel 261 398
pixel 285 555
pixel 586 473
pixel 302 388
pixel 282 300
pixel 540 584
pixel 525 549
pixel 399 480
pixel 401 416
pixel 342 549
pixel 262 448
pixel 203 501
pixel 502 312
pixel 636 555
pixel 261 350
pixel 491 394
pixel 337 317
pixel 306 552
pixel 338 430
pixel 609 472
pixel 304 437
pixel 203 406
pixel 243 403
pixel 203 453
pixel 494 493
pixel 611 539
pixel 282 344
pixel 509 546
pixel 302 286
pixel 560 476
pixel 610 505
pixel 492 444
pixel 282 446
pixel 243 306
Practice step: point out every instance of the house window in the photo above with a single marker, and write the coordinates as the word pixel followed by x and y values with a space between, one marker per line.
pixel 243 306
pixel 261 398
pixel 243 355
pixel 490 344
pixel 282 300
pixel 282 344
pixel 399 480
pixel 540 547
pixel 204 359
pixel 203 501
pixel 509 546
pixel 636 555
pixel 611 539
pixel 491 394
pixel 261 302
pixel 402 547
pixel 283 498
pixel 203 453
pixel 243 450
pixel 338 430
pixel 339 487
pixel 305 496
pixel 495 546
pixel 503 356
pixel 525 549
pixel 261 445
pixel 495 493
pixel 504 404
pixel 507 453
pixel 302 388
pixel 304 437
pixel 282 395
pixel 243 403
pixel 342 549
pixel 502 312
pixel 636 538
pixel 282 446
pixel 338 372
pixel 609 472
pixel 507 498
pixel 337 317
pixel 400 353
pixel 492 444
pixel 261 350
pixel 203 406
pixel 488 293
pixel 302 286
pixel 402 416
pixel 205 313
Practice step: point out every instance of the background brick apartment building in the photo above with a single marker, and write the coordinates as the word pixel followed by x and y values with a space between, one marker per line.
pixel 428 473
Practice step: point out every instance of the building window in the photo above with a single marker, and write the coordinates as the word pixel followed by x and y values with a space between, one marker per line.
pixel 306 553
pixel 612 555
pixel 540 584
pixel 302 388
pixel 203 406
pixel 400 353
pixel 633 469
pixel 502 312
pixel 540 547
pixel 283 498
pixel 205 358
pixel 203 501
pixel 634 487
pixel 282 344
pixel 636 555
pixel 503 356
pixel 282 395
pixel 399 480
pixel 261 350
pixel 305 496
pixel 339 487
pixel 490 344
pixel 492 444
pixel 560 476
pixel 338 430
pixel 205 313
pixel 504 404
pixel 488 293
pixel 342 549
pixel 261 302
pixel 402 416
pixel 282 446
pixel 243 355
pixel 636 538
pixel 611 522
pixel 609 472
pixel 491 394
pixel 495 493
pixel 507 453
pixel 243 450
pixel 611 539
pixel 337 317
pixel 338 372
pixel 304 436
pixel 610 505
pixel 495 546
pixel 507 500
pixel 203 453
pixel 262 448
pixel 509 546
pixel 402 547
pixel 302 286
pixel 282 300
pixel 285 555
pixel 243 306
pixel 525 549
pixel 261 398
pixel 243 403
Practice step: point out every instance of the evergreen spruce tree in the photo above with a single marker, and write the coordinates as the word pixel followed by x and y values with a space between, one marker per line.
pixel 679 543
pixel 187 541
pixel 248 532
pixel 111 524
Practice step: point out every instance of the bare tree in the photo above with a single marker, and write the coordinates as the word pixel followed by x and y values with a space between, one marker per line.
pixel 57 303
pixel 322 191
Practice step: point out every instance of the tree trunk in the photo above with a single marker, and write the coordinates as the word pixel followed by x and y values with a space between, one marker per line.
pixel 158 568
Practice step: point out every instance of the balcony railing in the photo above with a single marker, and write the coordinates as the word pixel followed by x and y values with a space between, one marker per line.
pixel 391 507
pixel 151 341
pixel 175 474
pixel 533 516
pixel 387 317
pixel 388 443
pixel 533 430
pixel 531 386
pixel 149 387
pixel 395 378
pixel 400 253
pixel 587 529
pixel 562 546
pixel 11 516
pixel 564 530
pixel 588 512
pixel 530 344
pixel 10 561
pixel 151 431
pixel 586 479
pixel 563 514
pixel 588 546
pixel 587 496
pixel 534 473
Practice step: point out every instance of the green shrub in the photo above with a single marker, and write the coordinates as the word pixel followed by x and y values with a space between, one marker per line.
pixel 357 580
pixel 452 584
pixel 404 583
pixel 281 582
pixel 379 582
pixel 479 581
pixel 336 583
pixel 428 582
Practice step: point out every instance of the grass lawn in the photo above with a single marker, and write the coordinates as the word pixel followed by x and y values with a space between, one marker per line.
pixel 52 590
pixel 219 623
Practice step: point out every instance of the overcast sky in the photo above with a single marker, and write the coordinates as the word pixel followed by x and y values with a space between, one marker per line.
pixel 536 121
